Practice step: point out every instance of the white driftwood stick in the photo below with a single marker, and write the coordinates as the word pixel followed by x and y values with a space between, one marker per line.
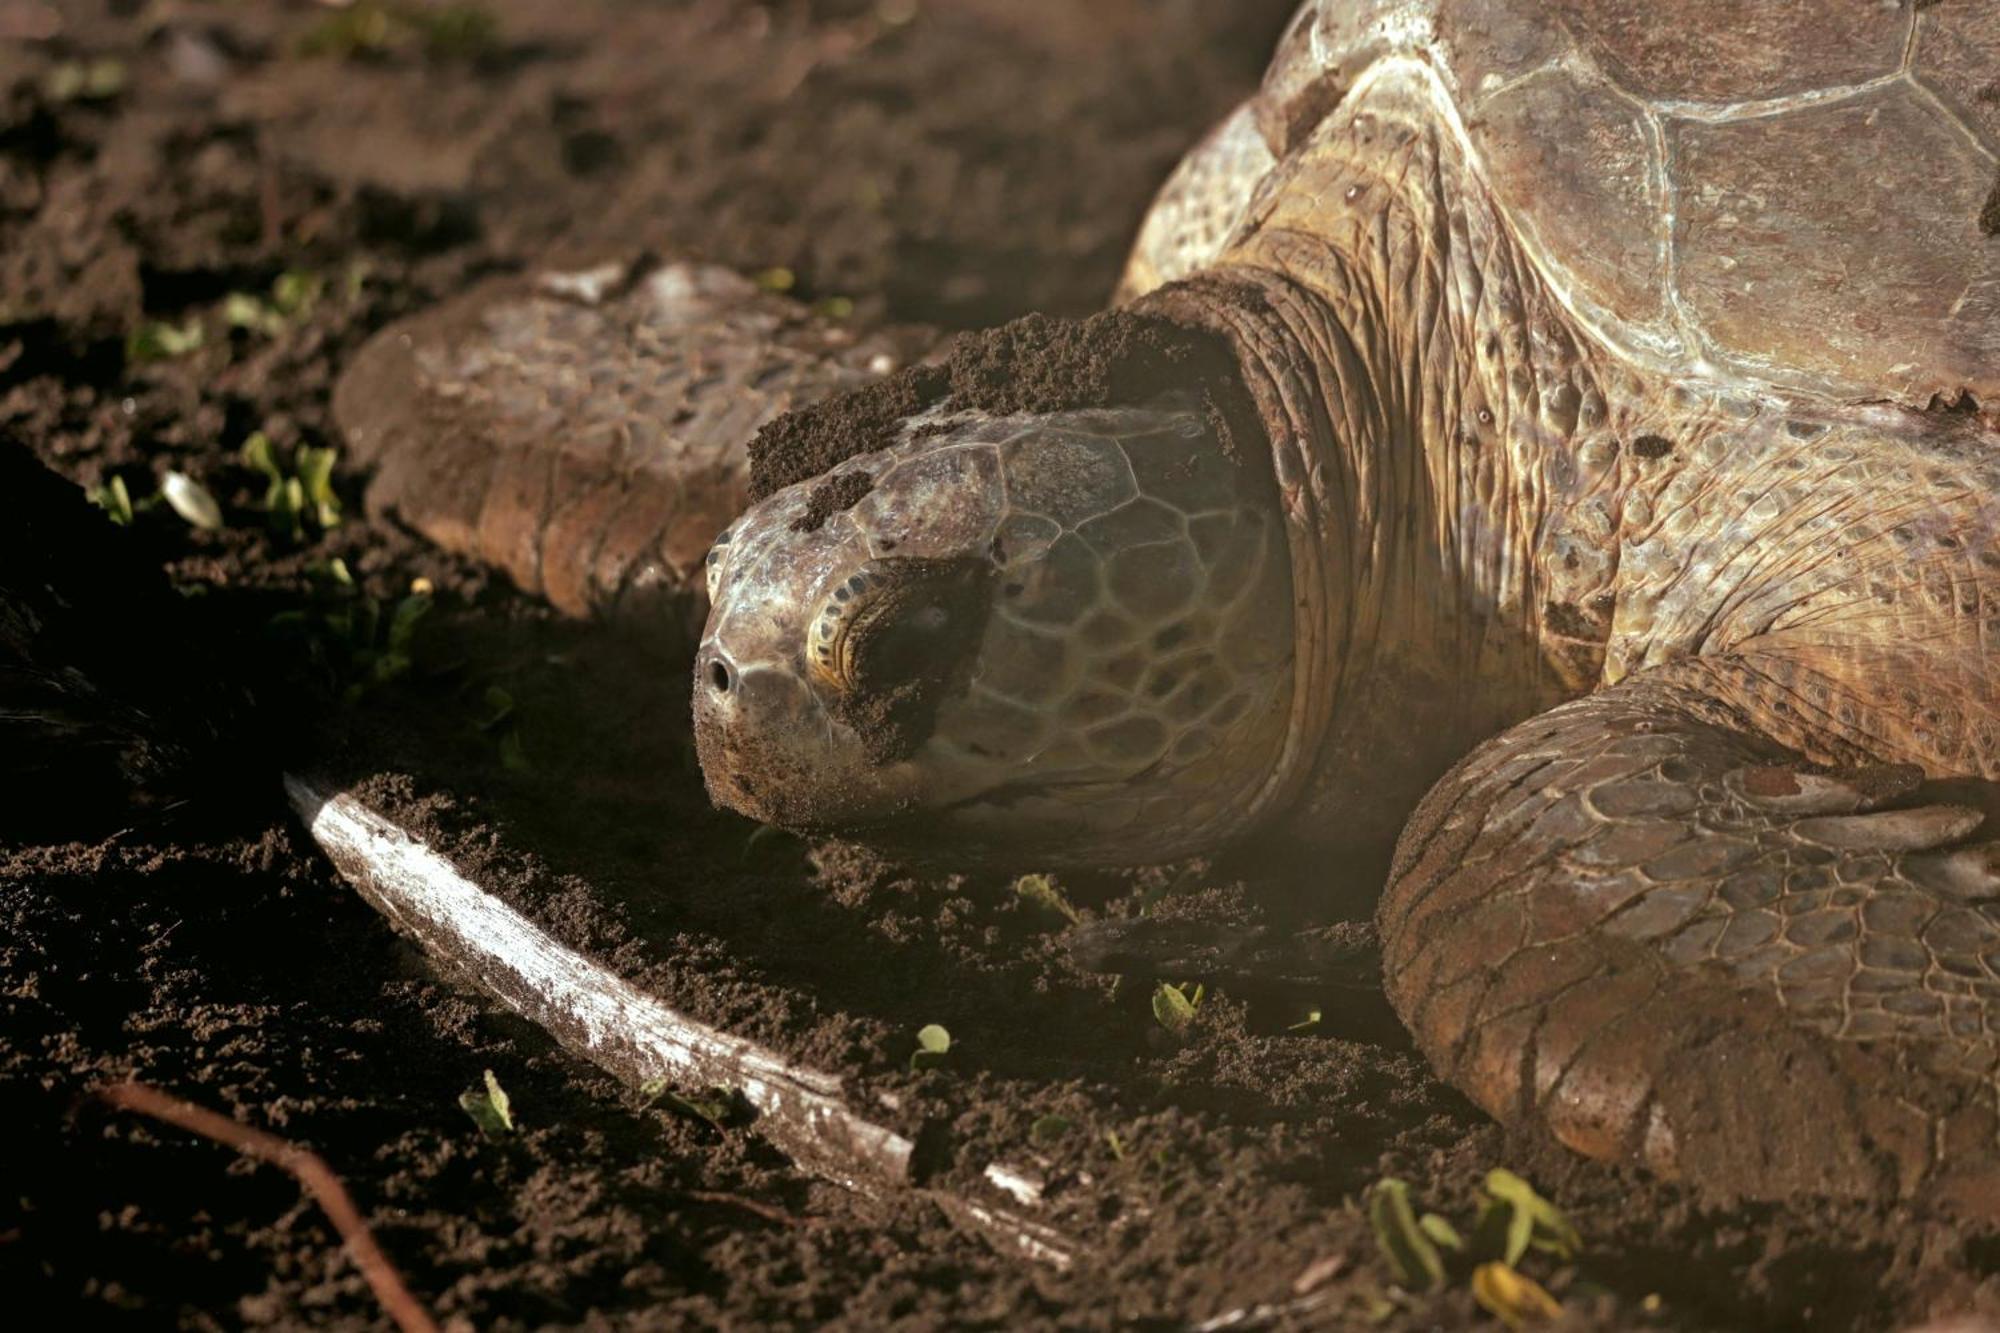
pixel 1277 1314
pixel 587 1007
pixel 601 1016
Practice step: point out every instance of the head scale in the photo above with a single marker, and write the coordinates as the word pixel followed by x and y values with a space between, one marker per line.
pixel 1046 638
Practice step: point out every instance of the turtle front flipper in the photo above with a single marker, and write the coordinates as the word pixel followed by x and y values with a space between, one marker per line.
pixel 1642 924
pixel 588 434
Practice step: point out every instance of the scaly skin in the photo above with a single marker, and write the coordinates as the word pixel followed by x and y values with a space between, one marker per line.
pixel 588 435
pixel 1644 919
pixel 1068 626
pixel 1444 440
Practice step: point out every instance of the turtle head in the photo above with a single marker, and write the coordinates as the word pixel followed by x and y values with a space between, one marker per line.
pixel 1049 639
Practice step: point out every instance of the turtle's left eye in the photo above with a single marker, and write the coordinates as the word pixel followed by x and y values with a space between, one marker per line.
pixel 830 641
pixel 916 639
pixel 894 623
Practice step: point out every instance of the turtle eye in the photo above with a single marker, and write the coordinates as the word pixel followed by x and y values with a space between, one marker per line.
pixel 894 623
pixel 830 642
pixel 903 647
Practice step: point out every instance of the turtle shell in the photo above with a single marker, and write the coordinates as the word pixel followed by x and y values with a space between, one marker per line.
pixel 1800 192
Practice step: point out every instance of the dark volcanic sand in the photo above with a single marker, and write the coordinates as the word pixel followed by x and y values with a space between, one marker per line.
pixel 964 165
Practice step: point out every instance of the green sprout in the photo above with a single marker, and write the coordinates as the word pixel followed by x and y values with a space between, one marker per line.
pixel 334 570
pixel 374 29
pixel 291 497
pixel 1410 1247
pixel 85 81
pixel 1041 892
pixel 715 1107
pixel 489 1107
pixel 359 646
pixel 293 295
pixel 499 717
pixel 158 340
pixel 114 500
pixel 1176 1006
pixel 1514 1221
pixel 513 753
pixel 933 1046
pixel 1522 1220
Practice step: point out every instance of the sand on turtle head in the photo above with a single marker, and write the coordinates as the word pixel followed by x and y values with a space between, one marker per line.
pixel 1033 364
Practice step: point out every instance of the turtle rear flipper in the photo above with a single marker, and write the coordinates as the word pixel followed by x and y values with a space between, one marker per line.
pixel 588 435
pixel 1641 923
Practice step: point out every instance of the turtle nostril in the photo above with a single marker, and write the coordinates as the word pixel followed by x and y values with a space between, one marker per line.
pixel 718 676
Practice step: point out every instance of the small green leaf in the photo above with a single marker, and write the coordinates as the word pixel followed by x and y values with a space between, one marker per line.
pixel 1048 1129
pixel 337 570
pixel 1174 1008
pixel 1533 1221
pixel 776 279
pixel 1441 1231
pixel 1116 1144
pixel 191 500
pixel 362 30
pixel 257 453
pixel 243 310
pixel 316 477
pixel 933 1045
pixel 489 1108
pixel 85 81
pixel 114 500
pixel 387 667
pixel 834 307
pixel 713 1106
pixel 158 340
pixel 1308 1023
pixel 373 29
pixel 513 755
pixel 286 501
pixel 498 706
pixel 1410 1252
pixel 403 621
pixel 296 291
pixel 1520 1233
pixel 1042 892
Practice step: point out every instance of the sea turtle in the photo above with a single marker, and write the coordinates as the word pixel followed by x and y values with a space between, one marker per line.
pixel 1620 474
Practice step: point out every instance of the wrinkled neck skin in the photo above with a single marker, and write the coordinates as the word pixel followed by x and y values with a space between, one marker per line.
pixel 1424 401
